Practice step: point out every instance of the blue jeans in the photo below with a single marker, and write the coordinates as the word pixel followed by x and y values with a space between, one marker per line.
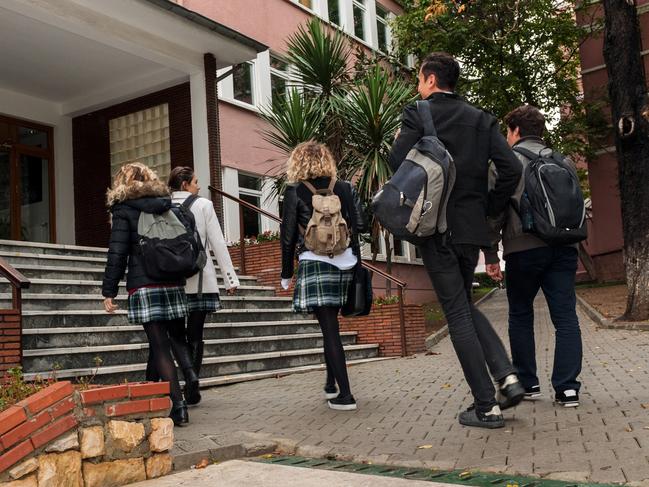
pixel 553 270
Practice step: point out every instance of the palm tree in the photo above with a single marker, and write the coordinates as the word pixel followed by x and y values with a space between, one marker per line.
pixel 356 116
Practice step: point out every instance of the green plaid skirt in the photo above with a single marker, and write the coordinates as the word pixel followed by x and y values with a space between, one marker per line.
pixel 320 284
pixel 209 302
pixel 157 304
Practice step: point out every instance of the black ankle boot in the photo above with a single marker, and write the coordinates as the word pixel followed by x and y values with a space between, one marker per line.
pixel 196 349
pixel 179 413
pixel 182 354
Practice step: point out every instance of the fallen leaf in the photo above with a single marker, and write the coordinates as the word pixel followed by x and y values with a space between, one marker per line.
pixel 645 405
pixel 424 447
pixel 267 455
pixel 645 428
pixel 607 467
pixel 446 386
pixel 628 429
pixel 432 353
pixel 202 464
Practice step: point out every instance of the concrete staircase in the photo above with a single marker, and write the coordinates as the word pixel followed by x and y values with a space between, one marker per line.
pixel 66 331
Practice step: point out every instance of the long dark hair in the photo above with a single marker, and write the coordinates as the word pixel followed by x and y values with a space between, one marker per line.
pixel 178 176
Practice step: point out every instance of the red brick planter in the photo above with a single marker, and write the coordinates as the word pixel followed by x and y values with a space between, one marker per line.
pixel 10 326
pixel 46 432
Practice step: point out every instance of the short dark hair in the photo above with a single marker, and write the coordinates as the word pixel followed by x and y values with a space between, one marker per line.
pixel 529 120
pixel 178 176
pixel 445 68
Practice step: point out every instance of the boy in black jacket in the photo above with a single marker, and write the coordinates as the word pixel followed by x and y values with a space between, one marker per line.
pixel 473 138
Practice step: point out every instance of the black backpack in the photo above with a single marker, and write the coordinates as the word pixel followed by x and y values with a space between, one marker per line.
pixel 412 204
pixel 169 243
pixel 552 205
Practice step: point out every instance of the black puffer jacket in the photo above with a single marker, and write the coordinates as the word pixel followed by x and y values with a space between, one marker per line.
pixel 122 250
pixel 297 210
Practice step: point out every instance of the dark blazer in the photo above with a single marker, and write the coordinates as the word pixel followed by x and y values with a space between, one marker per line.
pixel 297 210
pixel 123 246
pixel 472 137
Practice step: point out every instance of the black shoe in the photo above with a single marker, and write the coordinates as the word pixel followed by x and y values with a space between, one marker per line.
pixel 192 391
pixel 330 391
pixel 347 403
pixel 491 419
pixel 182 353
pixel 179 413
pixel 568 398
pixel 532 393
pixel 510 392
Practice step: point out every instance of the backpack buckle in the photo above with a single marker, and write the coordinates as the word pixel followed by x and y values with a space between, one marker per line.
pixel 402 198
pixel 426 207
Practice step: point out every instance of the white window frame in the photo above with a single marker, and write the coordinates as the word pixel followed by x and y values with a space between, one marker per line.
pixel 259 85
pixel 254 193
pixel 285 75
pixel 388 31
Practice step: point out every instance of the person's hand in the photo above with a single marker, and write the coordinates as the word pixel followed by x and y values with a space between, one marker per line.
pixel 493 271
pixel 396 134
pixel 285 283
pixel 110 306
pixel 232 291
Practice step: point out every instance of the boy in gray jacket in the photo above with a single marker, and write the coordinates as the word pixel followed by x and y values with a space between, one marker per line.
pixel 532 265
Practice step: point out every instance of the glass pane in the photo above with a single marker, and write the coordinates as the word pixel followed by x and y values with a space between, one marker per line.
pixel 249 182
pixel 35 204
pixel 417 253
pixel 399 250
pixel 381 29
pixel 251 219
pixel 334 12
pixel 32 137
pixel 381 12
pixel 278 86
pixel 5 195
pixel 359 22
pixel 242 81
pixel 5 134
pixel 278 63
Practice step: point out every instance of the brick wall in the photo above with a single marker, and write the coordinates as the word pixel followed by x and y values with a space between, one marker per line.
pixel 91 147
pixel 381 326
pixel 10 346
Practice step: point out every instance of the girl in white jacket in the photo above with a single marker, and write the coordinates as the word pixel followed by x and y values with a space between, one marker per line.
pixel 202 292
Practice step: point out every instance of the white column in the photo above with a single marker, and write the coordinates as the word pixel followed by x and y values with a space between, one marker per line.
pixel 347 16
pixel 199 131
pixel 230 208
pixel 270 203
pixel 370 24
pixel 261 82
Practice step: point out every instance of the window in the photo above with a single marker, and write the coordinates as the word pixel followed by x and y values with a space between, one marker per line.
pixel 417 253
pixel 360 13
pixel 399 247
pixel 141 136
pixel 250 191
pixel 279 77
pixel 242 83
pixel 334 12
pixel 382 28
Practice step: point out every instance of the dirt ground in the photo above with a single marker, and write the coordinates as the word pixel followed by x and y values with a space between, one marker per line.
pixel 610 301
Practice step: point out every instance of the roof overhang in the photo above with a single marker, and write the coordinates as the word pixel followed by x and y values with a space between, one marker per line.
pixel 83 54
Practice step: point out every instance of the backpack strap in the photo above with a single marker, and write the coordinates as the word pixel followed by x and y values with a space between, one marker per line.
pixel 189 201
pixel 526 152
pixel 310 187
pixel 423 108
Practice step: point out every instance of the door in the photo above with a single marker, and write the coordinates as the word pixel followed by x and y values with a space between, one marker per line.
pixel 26 183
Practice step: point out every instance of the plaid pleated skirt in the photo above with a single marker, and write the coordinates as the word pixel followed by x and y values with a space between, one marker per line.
pixel 320 284
pixel 157 304
pixel 209 302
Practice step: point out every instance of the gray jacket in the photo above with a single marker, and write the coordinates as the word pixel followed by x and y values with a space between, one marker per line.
pixel 509 223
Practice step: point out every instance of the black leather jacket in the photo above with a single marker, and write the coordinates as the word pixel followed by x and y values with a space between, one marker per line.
pixel 297 210
pixel 122 249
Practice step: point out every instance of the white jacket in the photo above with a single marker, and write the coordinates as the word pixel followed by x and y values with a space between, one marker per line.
pixel 211 235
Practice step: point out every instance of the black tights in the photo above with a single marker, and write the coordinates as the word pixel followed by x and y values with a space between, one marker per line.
pixel 195 324
pixel 161 364
pixel 333 348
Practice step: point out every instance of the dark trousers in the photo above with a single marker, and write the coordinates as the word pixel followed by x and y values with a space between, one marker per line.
pixel 476 344
pixel 553 270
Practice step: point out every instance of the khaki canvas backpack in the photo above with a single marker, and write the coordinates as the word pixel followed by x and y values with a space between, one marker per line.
pixel 327 232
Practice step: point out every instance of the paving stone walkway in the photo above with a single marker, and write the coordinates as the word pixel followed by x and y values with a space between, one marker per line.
pixel 408 408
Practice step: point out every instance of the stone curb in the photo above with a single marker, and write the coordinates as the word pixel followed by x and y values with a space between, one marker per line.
pixel 442 333
pixel 603 322
pixel 185 461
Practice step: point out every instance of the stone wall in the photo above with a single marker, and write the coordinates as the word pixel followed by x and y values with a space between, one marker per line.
pixel 62 437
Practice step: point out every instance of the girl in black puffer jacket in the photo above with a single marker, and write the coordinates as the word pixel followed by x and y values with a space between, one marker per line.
pixel 160 306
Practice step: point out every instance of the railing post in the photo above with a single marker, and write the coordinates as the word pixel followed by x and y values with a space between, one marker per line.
pixel 242 241
pixel 402 322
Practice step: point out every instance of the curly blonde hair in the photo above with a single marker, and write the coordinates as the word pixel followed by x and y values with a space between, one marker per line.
pixel 310 160
pixel 135 180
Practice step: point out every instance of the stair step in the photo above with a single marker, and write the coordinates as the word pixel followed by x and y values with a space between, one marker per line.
pixel 82 336
pixel 78 287
pixel 68 318
pixel 46 360
pixel 89 273
pixel 76 302
pixel 48 248
pixel 216 366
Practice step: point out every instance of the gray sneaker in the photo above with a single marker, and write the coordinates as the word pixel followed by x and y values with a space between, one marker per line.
pixel 491 419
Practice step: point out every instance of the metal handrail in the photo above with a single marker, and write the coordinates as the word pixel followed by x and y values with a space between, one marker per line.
pixel 401 285
pixel 18 283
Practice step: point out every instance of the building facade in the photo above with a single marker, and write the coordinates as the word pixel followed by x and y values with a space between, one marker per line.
pixel 605 240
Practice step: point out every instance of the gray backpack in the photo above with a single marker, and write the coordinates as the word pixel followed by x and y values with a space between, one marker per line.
pixel 412 204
